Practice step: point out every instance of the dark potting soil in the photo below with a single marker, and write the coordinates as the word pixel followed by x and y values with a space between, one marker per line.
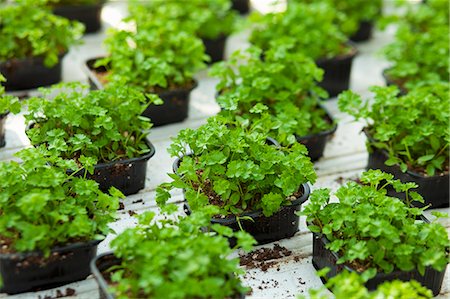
pixel 264 258
pixel 59 294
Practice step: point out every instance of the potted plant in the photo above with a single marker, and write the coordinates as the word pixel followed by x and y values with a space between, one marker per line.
pixel 257 186
pixel 377 236
pixel 158 58
pixel 212 21
pixel 7 104
pixel 33 46
pixel 102 127
pixel 408 136
pixel 351 285
pixel 51 222
pixel 310 29
pixel 280 93
pixel 88 12
pixel 171 259
pixel 421 40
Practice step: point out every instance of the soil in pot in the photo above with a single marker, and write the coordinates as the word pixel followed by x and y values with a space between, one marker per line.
pixel 29 73
pixel 30 271
pixel 323 257
pixel 88 14
pixel 2 129
pixel 337 72
pixel 364 32
pixel 176 102
pixel 126 175
pixel 315 143
pixel 215 48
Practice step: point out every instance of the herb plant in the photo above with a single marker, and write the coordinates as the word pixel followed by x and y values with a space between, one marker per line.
pixel 158 56
pixel 376 233
pixel 175 259
pixel 31 30
pixel 234 168
pixel 412 129
pixel 305 28
pixel 279 92
pixel 104 125
pixel 8 103
pixel 41 206
pixel 351 285
pixel 207 19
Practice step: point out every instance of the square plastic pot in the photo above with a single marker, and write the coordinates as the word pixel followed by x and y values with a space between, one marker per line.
pixel 215 48
pixel 364 32
pixel 29 271
pixel 242 6
pixel 88 14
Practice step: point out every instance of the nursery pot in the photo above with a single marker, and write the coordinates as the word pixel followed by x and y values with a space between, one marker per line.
pixel 127 175
pixel 315 143
pixel 2 129
pixel 88 14
pixel 390 81
pixel 102 263
pixel 337 71
pixel 364 32
pixel 29 73
pixel 323 257
pixel 434 189
pixel 215 48
pixel 242 6
pixel 176 102
pixel 28 271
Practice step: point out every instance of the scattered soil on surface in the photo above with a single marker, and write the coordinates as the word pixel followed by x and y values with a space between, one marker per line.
pixel 264 258
pixel 60 294
pixel 121 206
pixel 138 201
pixel 131 213
pixel 339 180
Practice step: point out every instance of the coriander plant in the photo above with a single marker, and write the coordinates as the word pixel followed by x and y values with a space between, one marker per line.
pixel 31 30
pixel 103 125
pixel 412 129
pixel 174 259
pixel 279 92
pixel 8 103
pixel 41 206
pixel 158 55
pixel 234 168
pixel 306 28
pixel 375 233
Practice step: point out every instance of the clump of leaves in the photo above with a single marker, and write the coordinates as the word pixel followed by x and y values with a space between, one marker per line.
pixel 31 30
pixel 41 206
pixel 351 285
pixel 102 125
pixel 280 92
pixel 176 259
pixel 421 40
pixel 156 56
pixel 412 129
pixel 310 29
pixel 205 18
pixel 8 103
pixel 375 233
pixel 234 168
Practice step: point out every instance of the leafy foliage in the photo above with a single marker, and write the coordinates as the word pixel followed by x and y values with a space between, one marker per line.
pixel 8 103
pixel 104 125
pixel 175 259
pixel 234 168
pixel 31 30
pixel 421 41
pixel 207 19
pixel 413 129
pixel 42 207
pixel 157 55
pixel 280 93
pixel 374 232
pixel 351 285
pixel 304 28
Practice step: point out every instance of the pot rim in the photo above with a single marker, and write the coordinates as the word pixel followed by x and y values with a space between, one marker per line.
pixel 353 52
pixel 98 275
pixel 39 58
pixel 327 132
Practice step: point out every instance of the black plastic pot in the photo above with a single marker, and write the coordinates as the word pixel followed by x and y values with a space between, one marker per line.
pixel 215 48
pixel 100 264
pixel 323 257
pixel 88 14
pixel 127 175
pixel 176 102
pixel 336 73
pixel 29 271
pixel 364 32
pixel 242 6
pixel 29 73
pixel 389 82
pixel 315 143
pixel 2 129
pixel 434 190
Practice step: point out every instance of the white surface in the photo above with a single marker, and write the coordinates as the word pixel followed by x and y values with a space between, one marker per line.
pixel 345 157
